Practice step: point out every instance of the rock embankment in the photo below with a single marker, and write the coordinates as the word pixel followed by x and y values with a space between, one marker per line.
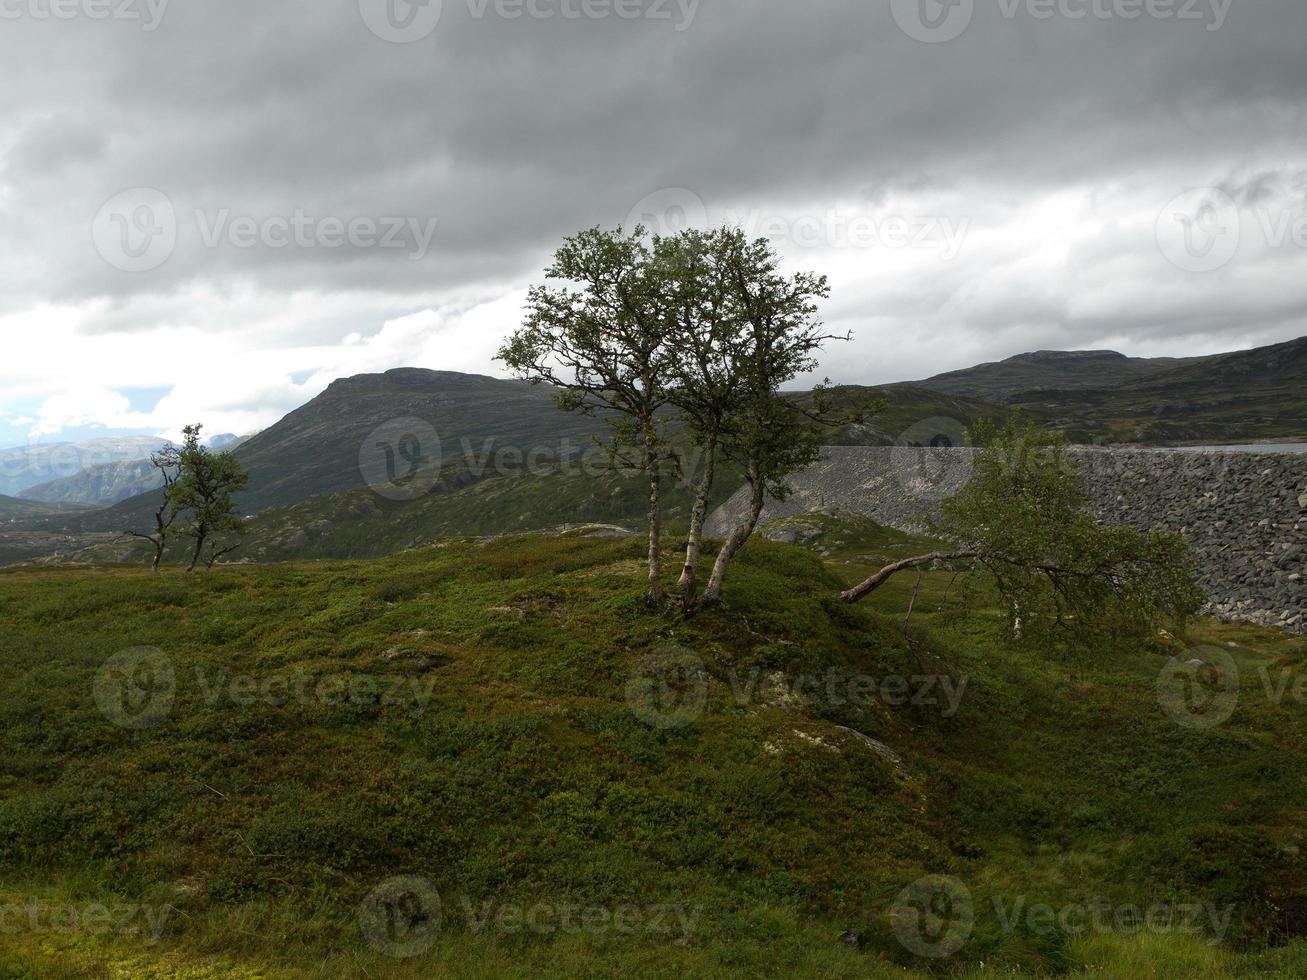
pixel 1245 514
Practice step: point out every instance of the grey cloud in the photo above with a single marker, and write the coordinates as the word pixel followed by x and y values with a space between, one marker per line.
pixel 514 132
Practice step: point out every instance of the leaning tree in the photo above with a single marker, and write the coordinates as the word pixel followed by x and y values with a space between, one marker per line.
pixel 168 462
pixel 771 435
pixel 1022 517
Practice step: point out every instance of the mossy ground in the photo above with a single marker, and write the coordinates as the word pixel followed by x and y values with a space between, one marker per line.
pixel 495 752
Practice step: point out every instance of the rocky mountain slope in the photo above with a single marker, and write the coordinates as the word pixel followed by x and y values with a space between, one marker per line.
pixel 100 485
pixel 24 467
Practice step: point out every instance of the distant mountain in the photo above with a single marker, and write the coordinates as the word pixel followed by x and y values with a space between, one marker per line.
pixel 101 485
pixel 1000 381
pixel 1252 395
pixel 316 449
pixel 1103 396
pixel 14 510
pixel 24 467
pixel 488 428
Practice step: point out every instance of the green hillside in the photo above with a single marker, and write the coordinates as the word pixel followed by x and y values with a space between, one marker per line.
pixel 1000 381
pixel 13 510
pixel 306 477
pixel 479 715
pixel 1244 396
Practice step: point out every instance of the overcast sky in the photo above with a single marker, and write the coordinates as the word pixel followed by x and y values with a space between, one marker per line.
pixel 209 210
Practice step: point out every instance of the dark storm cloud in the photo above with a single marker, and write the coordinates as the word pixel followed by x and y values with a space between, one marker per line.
pixel 509 133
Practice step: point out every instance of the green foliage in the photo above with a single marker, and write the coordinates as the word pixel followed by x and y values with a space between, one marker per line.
pixel 202 496
pixel 527 777
pixel 1023 512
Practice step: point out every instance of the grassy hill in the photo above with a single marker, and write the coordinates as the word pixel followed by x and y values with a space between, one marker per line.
pixel 476 714
pixel 1101 395
pixel 999 381
pixel 315 450
pixel 14 510
pixel 308 496
pixel 1243 396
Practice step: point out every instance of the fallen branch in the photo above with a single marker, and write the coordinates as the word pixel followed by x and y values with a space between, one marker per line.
pixel 865 589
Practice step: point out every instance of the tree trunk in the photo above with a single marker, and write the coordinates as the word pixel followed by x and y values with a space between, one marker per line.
pixel 195 555
pixel 873 583
pixel 737 539
pixel 158 557
pixel 689 572
pixel 655 531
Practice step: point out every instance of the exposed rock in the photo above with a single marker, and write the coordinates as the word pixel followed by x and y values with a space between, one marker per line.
pixel 1240 511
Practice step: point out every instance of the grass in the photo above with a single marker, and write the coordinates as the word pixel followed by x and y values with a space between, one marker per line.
pixel 473 714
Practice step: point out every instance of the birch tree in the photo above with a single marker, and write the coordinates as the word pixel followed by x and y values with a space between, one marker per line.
pixel 599 338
